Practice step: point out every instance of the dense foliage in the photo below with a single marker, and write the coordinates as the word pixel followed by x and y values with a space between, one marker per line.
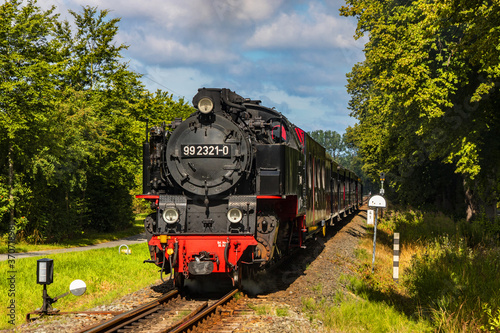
pixel 448 269
pixel 71 122
pixel 427 99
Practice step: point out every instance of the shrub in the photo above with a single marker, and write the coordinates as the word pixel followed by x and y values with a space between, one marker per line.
pixel 454 280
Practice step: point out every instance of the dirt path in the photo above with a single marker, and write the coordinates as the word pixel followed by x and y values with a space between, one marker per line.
pixel 318 276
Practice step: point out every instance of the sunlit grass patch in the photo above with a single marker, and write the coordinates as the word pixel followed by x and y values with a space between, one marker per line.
pixel 454 282
pixel 282 312
pixel 416 226
pixel 108 275
pixel 317 288
pixel 359 315
pixel 263 309
pixel 269 310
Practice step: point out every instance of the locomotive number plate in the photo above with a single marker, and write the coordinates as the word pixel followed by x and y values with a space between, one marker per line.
pixel 206 150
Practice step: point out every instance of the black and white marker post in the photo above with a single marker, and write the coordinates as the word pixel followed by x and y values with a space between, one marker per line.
pixel 377 201
pixel 395 261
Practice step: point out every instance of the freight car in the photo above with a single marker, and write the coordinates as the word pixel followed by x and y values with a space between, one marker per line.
pixel 235 187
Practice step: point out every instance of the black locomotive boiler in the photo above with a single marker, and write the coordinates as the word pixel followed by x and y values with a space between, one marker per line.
pixel 235 187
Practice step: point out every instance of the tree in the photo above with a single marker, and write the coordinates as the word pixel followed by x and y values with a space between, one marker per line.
pixel 70 122
pixel 116 102
pixel 426 95
pixel 331 140
pixel 28 70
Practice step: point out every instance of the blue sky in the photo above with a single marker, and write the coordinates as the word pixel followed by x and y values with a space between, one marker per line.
pixel 292 55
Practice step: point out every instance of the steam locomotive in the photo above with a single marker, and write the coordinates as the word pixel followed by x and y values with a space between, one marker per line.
pixel 235 187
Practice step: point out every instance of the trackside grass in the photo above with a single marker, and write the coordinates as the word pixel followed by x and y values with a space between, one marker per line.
pixel 108 275
pixel 449 279
pixel 448 271
pixel 361 315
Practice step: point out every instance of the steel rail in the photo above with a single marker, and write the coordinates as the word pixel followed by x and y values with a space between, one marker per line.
pixel 130 316
pixel 189 316
pixel 184 326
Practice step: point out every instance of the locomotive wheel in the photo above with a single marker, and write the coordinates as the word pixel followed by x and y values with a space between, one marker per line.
pixel 263 249
pixel 237 277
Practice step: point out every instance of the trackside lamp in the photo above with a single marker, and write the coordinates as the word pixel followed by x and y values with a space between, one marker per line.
pixel 44 271
pixel 382 179
pixel 45 276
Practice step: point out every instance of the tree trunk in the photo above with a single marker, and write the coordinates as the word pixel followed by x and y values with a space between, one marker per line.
pixel 477 205
pixel 472 206
pixel 11 185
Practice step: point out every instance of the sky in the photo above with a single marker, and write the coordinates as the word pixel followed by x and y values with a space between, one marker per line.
pixel 292 55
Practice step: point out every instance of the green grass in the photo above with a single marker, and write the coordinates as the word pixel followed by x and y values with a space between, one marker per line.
pixel 89 238
pixel 318 288
pixel 359 315
pixel 262 310
pixel 107 274
pixel 448 279
pixel 282 312
pixel 448 271
pixel 455 282
pixel 269 310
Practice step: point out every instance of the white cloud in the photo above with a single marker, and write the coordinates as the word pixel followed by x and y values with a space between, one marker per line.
pixel 172 14
pixel 308 113
pixel 315 28
pixel 291 54
pixel 180 81
pixel 244 11
pixel 155 49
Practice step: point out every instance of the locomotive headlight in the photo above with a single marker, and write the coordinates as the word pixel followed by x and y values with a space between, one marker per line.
pixel 170 215
pixel 234 215
pixel 205 105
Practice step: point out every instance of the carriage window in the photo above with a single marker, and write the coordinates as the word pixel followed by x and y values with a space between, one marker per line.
pixel 317 171
pixel 309 171
pixel 323 175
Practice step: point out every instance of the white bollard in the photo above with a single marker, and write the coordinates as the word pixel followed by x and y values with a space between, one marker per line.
pixel 370 216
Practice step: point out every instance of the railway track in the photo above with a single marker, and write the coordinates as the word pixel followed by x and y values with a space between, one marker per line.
pixel 171 313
